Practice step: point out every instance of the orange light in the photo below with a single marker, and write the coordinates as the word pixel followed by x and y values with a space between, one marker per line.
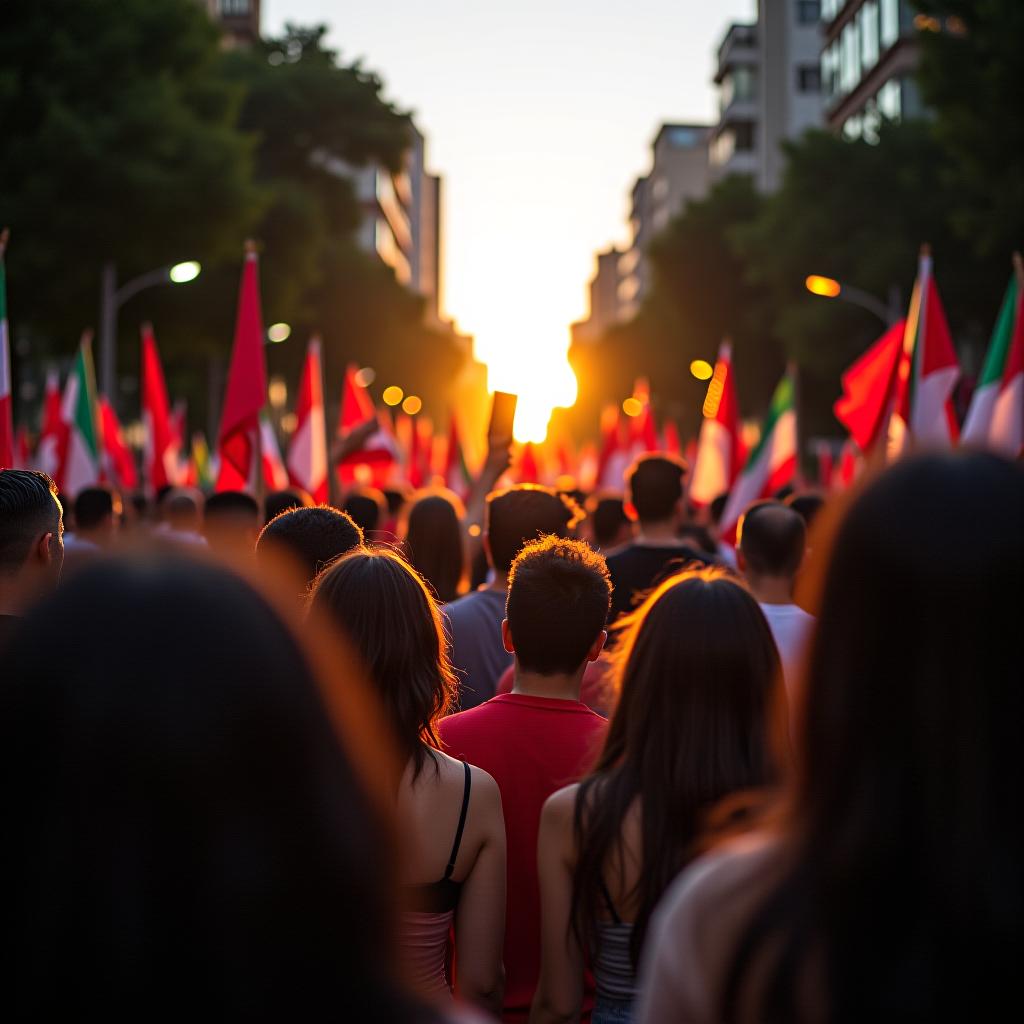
pixel 701 369
pixel 827 287
pixel 392 395
pixel 412 405
pixel 632 407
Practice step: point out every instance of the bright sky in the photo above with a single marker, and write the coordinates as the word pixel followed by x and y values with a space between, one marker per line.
pixel 539 115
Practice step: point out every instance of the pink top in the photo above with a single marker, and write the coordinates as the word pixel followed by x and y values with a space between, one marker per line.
pixel 423 940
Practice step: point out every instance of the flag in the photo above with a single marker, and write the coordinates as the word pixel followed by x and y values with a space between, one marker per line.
pixel 380 451
pixel 22 449
pixel 275 476
pixel 307 452
pixel 6 401
pixel 719 447
pixel 671 442
pixel 52 434
pixel 529 469
pixel 162 447
pixel 927 373
pixel 239 439
pixel 456 473
pixel 118 463
pixel 869 388
pixel 826 463
pixel 772 463
pixel 201 470
pixel 643 432
pixel 846 469
pixel 995 418
pixel 80 461
pixel 614 456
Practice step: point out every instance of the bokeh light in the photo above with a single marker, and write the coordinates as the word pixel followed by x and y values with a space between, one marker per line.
pixel 366 376
pixel 701 369
pixel 279 332
pixel 412 405
pixel 632 407
pixel 392 395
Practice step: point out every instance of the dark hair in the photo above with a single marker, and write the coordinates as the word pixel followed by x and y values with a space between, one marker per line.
pixel 315 536
pixel 188 821
pixel 716 508
pixel 180 507
pixel 434 544
pixel 523 513
pixel 694 724
pixel 772 538
pixel 559 594
pixel 92 506
pixel 29 508
pixel 232 505
pixel 655 484
pixel 367 506
pixel 277 502
pixel 607 517
pixel 389 615
pixel 396 496
pixel 901 892
pixel 807 505
pixel 697 536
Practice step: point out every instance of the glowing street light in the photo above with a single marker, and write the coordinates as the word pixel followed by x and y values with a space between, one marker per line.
pixel 277 333
pixel 182 273
pixel 830 288
pixel 701 369
pixel 826 287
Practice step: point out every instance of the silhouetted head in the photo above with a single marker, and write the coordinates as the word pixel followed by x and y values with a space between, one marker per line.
pixel 655 488
pixel 312 536
pixel 98 513
pixel 559 594
pixel 609 523
pixel 31 537
pixel 434 542
pixel 771 540
pixel 368 508
pixel 188 821
pixel 697 537
pixel 523 513
pixel 807 505
pixel 181 508
pixel 231 522
pixel 277 502
pixel 387 612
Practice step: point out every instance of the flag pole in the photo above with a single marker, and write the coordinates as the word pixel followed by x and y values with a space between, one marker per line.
pixel 1018 270
pixel 259 489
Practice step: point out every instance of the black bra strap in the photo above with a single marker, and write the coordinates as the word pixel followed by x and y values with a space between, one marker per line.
pixel 608 901
pixel 462 823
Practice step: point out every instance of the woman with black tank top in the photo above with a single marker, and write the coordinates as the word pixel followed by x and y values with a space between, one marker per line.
pixel 698 677
pixel 449 812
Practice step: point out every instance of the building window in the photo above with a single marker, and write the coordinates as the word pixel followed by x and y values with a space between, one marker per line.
pixel 830 8
pixel 868 25
pixel 890 22
pixel 743 137
pixel 889 100
pixel 234 8
pixel 830 71
pixel 808 78
pixel 808 11
pixel 849 73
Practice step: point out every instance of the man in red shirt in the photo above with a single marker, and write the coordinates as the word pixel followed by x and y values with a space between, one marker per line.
pixel 539 737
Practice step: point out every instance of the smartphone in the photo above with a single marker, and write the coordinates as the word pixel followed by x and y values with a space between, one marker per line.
pixel 503 413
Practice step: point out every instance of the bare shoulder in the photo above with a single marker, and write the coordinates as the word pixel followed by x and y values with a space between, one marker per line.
pixel 485 789
pixel 560 807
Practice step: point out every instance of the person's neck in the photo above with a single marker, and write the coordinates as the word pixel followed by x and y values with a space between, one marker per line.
pixel 500 582
pixel 11 597
pixel 772 589
pixel 554 687
pixel 657 533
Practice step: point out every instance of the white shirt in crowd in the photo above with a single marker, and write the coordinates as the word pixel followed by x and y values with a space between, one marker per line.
pixel 791 627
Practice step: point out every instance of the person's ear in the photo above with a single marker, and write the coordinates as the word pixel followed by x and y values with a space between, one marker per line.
pixel 506 637
pixel 597 646
pixel 41 550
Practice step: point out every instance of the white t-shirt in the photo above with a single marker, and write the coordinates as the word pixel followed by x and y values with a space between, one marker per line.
pixel 791 627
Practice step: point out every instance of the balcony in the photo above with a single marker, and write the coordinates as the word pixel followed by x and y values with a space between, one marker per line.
pixel 739 47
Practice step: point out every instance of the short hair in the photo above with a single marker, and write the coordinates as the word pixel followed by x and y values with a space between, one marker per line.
pixel 607 516
pixel 807 505
pixel 181 507
pixel 773 538
pixel 316 536
pixel 277 502
pixel 655 486
pixel 367 506
pixel 716 508
pixel 92 506
pixel 232 504
pixel 696 536
pixel 523 513
pixel 29 507
pixel 559 595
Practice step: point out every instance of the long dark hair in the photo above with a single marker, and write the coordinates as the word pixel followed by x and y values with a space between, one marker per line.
pixel 391 618
pixel 183 824
pixel 433 542
pixel 693 725
pixel 901 895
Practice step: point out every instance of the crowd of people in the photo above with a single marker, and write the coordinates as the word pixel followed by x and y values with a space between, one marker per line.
pixel 537 756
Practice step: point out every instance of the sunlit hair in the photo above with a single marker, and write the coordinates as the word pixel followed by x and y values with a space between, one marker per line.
pixel 698 703
pixel 434 542
pixel 900 897
pixel 388 613
pixel 523 513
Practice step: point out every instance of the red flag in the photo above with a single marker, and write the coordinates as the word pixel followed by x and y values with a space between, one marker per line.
pixel 671 434
pixel 117 460
pixel 160 459
pixel 22 449
pixel 52 431
pixel 613 458
pixel 719 455
pixel 869 388
pixel 307 452
pixel 826 463
pixel 529 469
pixel 239 441
pixel 275 476
pixel 380 451
pixel 847 468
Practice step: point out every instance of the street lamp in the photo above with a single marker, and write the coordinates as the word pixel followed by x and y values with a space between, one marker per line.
pixel 113 298
pixel 830 288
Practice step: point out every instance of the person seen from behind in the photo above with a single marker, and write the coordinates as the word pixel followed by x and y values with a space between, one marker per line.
pixel 231 523
pixel 434 542
pixel 539 737
pixel 888 884
pixel 451 812
pixel 694 725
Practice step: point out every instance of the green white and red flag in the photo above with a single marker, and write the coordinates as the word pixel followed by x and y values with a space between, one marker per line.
pixel 995 418
pixel 80 461
pixel 239 439
pixel 307 452
pixel 772 463
pixel 275 476
pixel 719 446
pixel 6 400
pixel 457 477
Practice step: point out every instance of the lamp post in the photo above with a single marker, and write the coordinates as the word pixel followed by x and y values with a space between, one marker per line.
pixel 113 298
pixel 830 288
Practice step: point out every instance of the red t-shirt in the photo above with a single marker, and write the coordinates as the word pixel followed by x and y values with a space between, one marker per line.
pixel 532 746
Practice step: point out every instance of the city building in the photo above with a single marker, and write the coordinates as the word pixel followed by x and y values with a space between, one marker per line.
pixel 240 20
pixel 769 80
pixel 867 64
pixel 605 309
